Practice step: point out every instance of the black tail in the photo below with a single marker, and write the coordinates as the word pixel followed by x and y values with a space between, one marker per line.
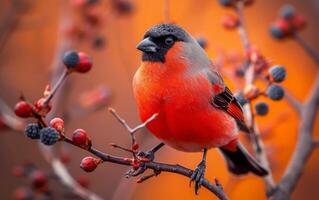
pixel 241 162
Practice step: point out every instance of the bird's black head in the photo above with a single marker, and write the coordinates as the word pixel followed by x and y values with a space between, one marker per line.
pixel 159 39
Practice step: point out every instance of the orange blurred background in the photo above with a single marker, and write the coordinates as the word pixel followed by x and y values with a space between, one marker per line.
pixel 28 52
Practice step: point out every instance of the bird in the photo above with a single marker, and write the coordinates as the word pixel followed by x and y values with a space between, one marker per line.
pixel 195 110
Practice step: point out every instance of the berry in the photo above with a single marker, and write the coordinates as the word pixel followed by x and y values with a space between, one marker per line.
pixel 65 158
pixel 23 109
pixel 32 131
pixel 18 171
pixel 276 32
pixel 92 2
pixel 83 181
pixel 241 99
pixel 80 138
pixel 98 42
pixel 123 6
pixel 230 21
pixel 275 92
pixel 261 108
pixel 89 164
pixel 23 194
pixel 135 147
pixel 38 179
pixel 58 124
pixel 284 26
pixel 49 136
pixel 299 22
pixel 77 61
pixel 287 12
pixel 202 42
pixel 226 3
pixel 41 107
pixel 277 73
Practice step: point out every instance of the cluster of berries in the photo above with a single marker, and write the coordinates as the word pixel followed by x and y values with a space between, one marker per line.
pixel 38 182
pixel 91 18
pixel 274 91
pixel 288 23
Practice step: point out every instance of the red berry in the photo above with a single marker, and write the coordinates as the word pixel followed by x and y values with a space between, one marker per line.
pixel 38 179
pixel 18 171
pixel 89 164
pixel 23 109
pixel 83 181
pixel 135 147
pixel 65 158
pixel 85 63
pixel 299 22
pixel 80 138
pixel 230 21
pixel 23 194
pixel 58 124
pixel 41 107
pixel 284 26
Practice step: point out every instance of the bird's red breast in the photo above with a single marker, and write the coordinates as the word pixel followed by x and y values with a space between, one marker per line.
pixel 187 121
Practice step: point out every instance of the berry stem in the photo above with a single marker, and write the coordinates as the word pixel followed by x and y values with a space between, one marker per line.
pixel 309 49
pixel 56 86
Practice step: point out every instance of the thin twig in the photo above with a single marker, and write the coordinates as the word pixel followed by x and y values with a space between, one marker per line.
pixel 309 49
pixel 166 11
pixel 294 103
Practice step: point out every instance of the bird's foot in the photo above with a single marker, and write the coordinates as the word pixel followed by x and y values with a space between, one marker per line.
pixel 198 175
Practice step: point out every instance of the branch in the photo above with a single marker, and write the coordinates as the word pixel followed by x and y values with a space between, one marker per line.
pixel 249 79
pixel 155 166
pixel 294 103
pixel 304 147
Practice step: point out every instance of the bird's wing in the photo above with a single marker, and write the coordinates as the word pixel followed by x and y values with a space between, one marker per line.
pixel 224 99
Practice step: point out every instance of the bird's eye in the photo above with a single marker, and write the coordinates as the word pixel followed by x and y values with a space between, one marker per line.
pixel 169 41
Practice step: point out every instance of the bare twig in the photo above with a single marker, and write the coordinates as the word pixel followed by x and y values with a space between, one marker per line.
pixel 295 103
pixel 155 166
pixel 309 49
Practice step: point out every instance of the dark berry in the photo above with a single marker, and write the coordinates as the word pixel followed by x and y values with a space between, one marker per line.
pixel 89 164
pixel 202 42
pixel 32 131
pixel 99 42
pixel 226 3
pixel 276 32
pixel 261 108
pixel 71 59
pixel 275 92
pixel 287 12
pixel 123 6
pixel 23 109
pixel 277 73
pixel 49 136
pixel 92 2
pixel 241 99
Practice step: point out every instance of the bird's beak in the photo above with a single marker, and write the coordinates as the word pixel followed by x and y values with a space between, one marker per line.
pixel 147 46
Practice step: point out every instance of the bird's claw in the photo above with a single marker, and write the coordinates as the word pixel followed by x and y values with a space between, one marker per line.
pixel 198 176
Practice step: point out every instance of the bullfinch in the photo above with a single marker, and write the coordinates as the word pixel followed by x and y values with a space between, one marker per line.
pixel 196 110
